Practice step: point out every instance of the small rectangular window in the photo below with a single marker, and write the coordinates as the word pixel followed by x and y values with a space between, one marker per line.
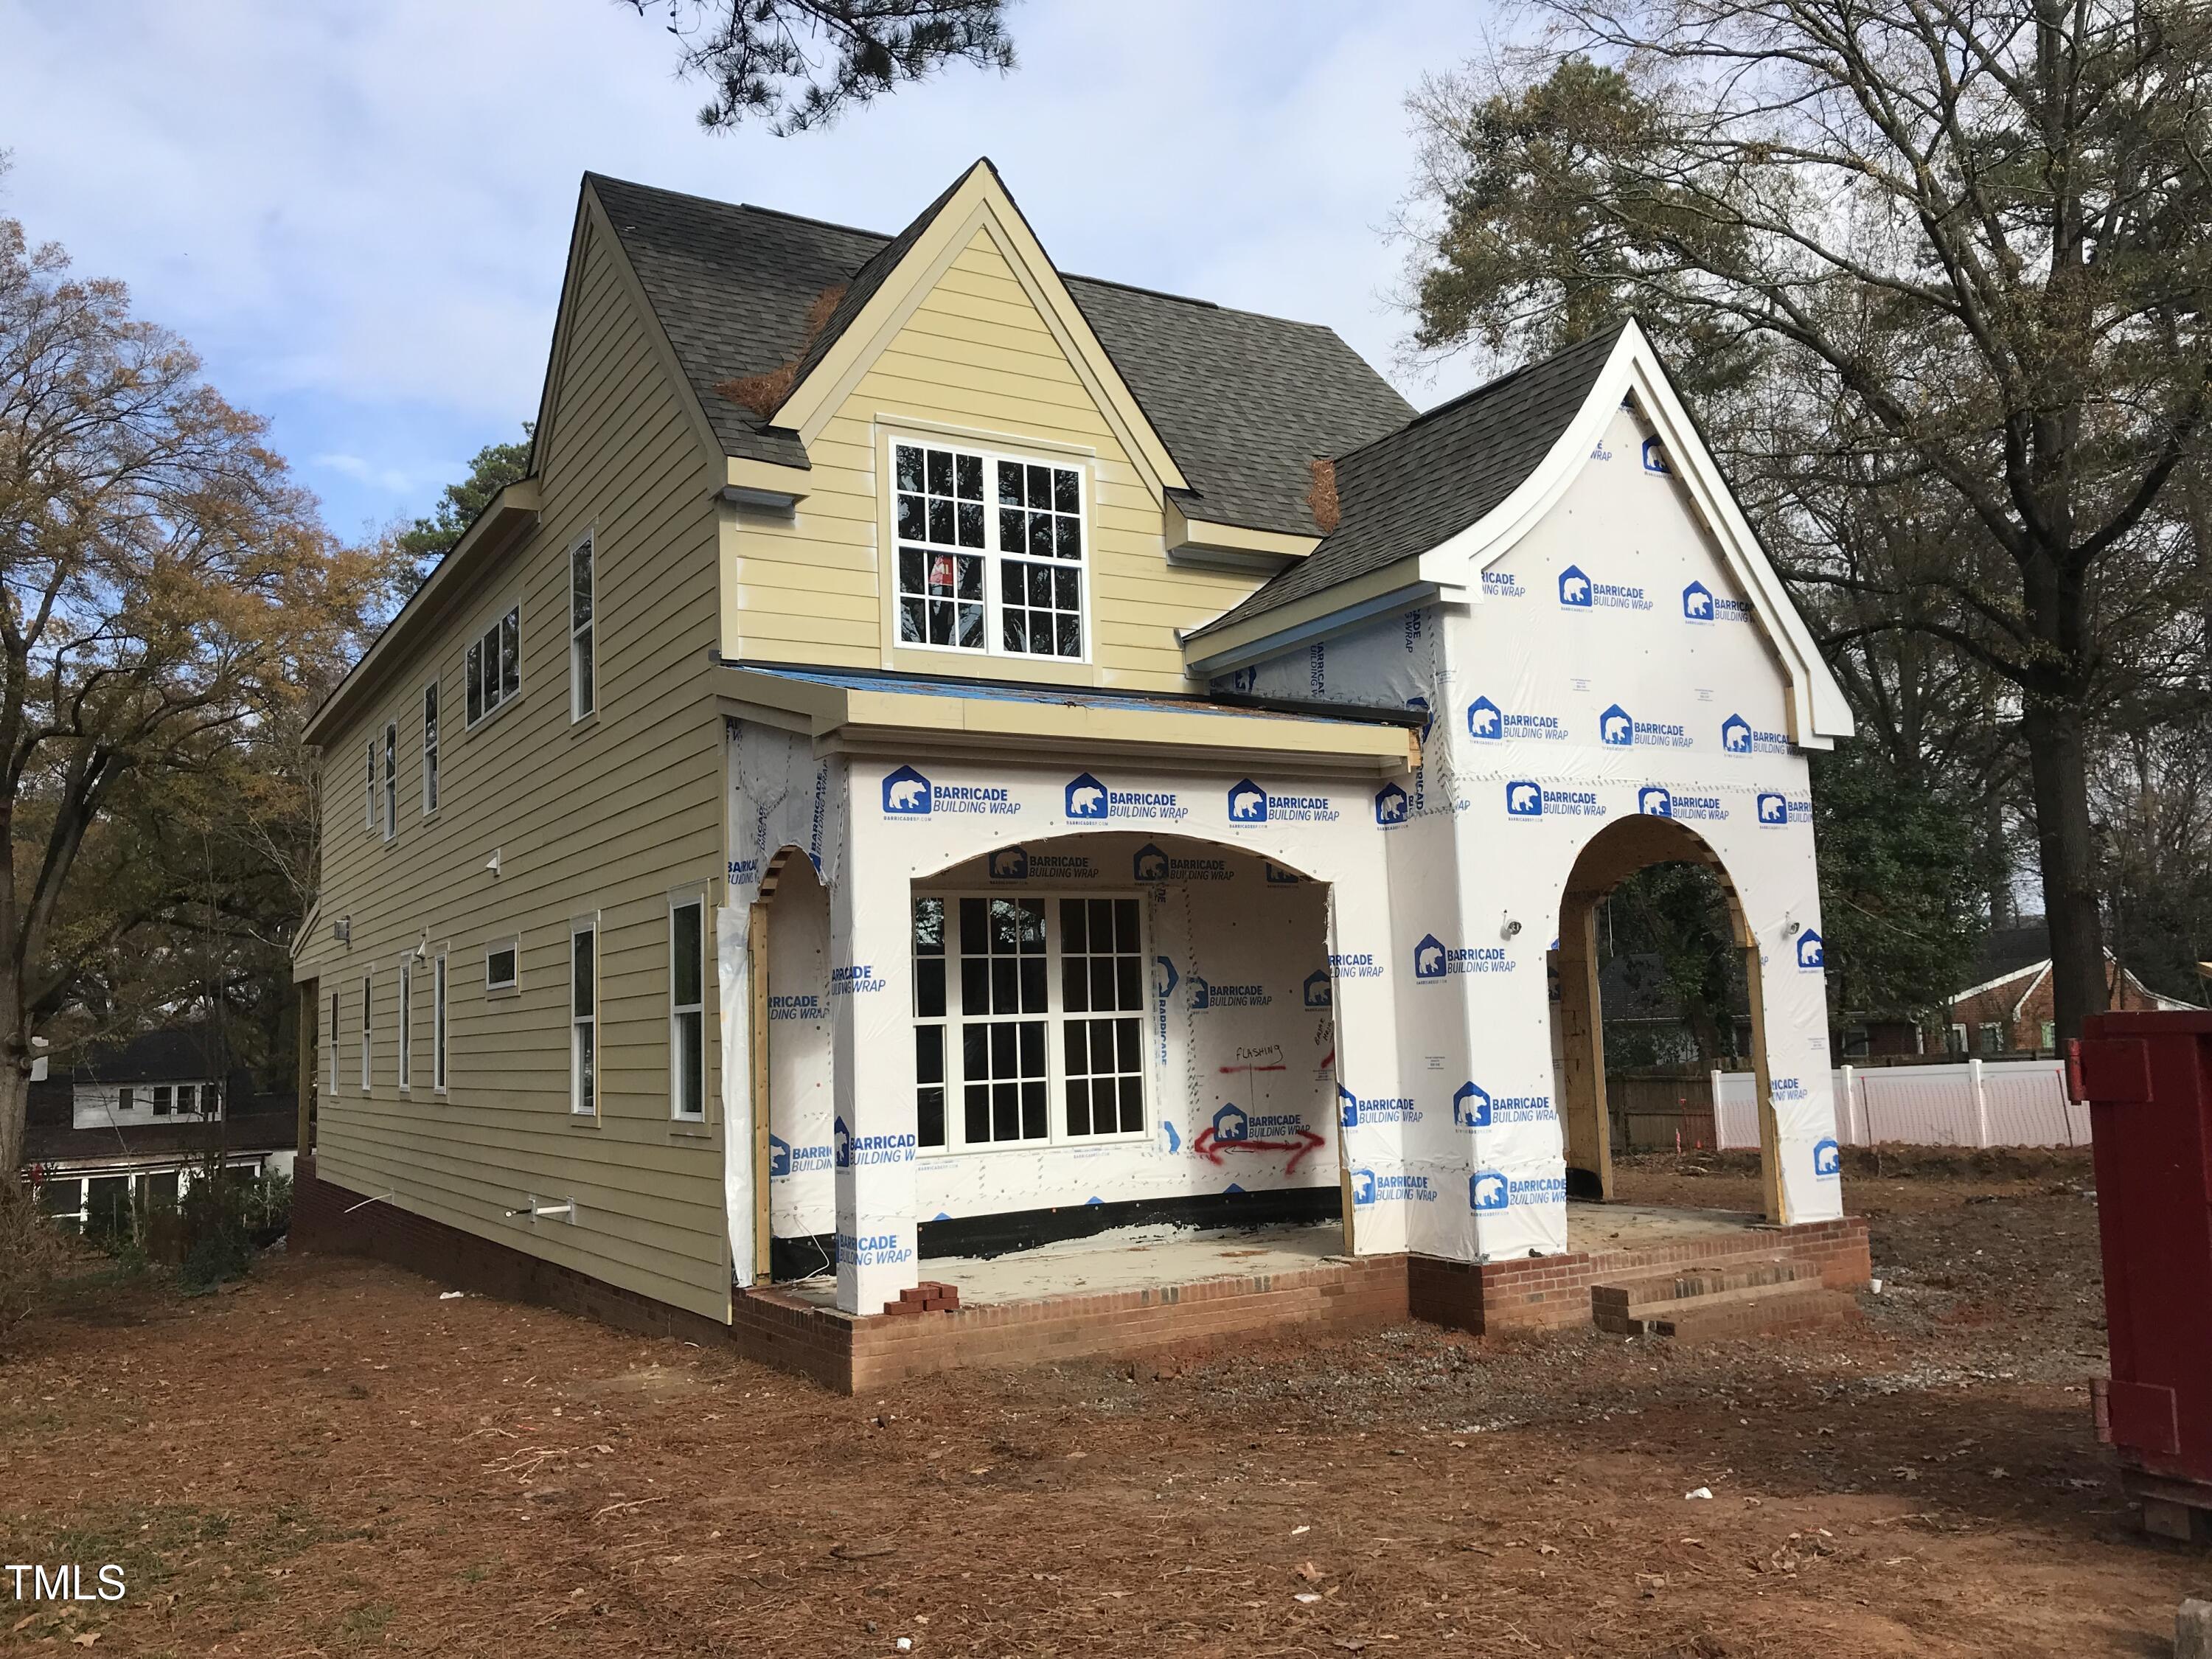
pixel 496 666
pixel 583 1020
pixel 161 1098
pixel 499 966
pixel 126 1100
pixel 429 749
pixel 406 1026
pixel 187 1097
pixel 366 991
pixel 438 1025
pixel 390 780
pixel 687 1009
pixel 583 690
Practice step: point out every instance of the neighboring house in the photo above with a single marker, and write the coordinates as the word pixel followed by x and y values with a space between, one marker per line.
pixel 940 753
pixel 134 1118
pixel 2009 1008
pixel 1645 1021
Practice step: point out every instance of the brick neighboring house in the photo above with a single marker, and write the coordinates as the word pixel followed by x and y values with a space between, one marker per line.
pixel 2008 1009
pixel 136 1115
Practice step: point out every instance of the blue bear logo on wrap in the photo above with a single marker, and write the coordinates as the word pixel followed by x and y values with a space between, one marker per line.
pixel 1086 797
pixel 1151 864
pixel 1471 1107
pixel 1319 993
pixel 1230 1124
pixel 1247 803
pixel 1828 1158
pixel 1010 864
pixel 1697 603
pixel 1169 978
pixel 1772 808
pixel 1486 1190
pixel 1484 720
pixel 1735 735
pixel 1363 1189
pixel 1347 1106
pixel 1428 957
pixel 779 1157
pixel 842 1138
pixel 1574 588
pixel 1390 805
pixel 1615 728
pixel 1420 705
pixel 1524 799
pixel 1811 953
pixel 1201 995
pixel 1654 801
pixel 906 792
pixel 1654 458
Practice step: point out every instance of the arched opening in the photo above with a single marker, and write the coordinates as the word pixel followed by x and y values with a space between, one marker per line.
pixel 1701 994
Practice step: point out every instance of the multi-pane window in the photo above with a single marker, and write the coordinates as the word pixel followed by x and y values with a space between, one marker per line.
pixel 583 688
pixel 390 780
pixel 406 1025
pixel 1022 1001
pixel 494 665
pixel 429 749
pixel 583 1020
pixel 1101 976
pixel 958 513
pixel 687 1009
pixel 438 1024
pixel 368 989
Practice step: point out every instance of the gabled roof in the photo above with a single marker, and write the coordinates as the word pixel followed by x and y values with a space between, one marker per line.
pixel 1244 403
pixel 1418 486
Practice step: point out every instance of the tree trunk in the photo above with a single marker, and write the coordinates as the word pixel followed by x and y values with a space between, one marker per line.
pixel 2058 772
pixel 15 1102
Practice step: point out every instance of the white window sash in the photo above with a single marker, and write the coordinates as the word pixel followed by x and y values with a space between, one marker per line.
pixel 583 629
pixel 440 1010
pixel 406 1028
pixel 432 714
pixel 368 1032
pixel 583 1024
pixel 687 1019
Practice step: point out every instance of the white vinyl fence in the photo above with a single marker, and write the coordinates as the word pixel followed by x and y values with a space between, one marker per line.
pixel 2021 1102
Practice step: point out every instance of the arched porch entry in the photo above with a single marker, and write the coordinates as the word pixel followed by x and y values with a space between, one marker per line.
pixel 1624 847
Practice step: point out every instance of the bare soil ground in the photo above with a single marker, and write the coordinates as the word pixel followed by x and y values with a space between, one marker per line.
pixel 333 1461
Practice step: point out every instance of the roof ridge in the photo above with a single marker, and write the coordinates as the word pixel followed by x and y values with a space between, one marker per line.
pixel 740 207
pixel 1497 382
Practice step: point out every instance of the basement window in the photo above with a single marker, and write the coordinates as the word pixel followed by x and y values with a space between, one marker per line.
pixel 990 552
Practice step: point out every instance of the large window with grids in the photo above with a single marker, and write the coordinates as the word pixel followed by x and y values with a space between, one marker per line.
pixel 1029 1017
pixel 990 552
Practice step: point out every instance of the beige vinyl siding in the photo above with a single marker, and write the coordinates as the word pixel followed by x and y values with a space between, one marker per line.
pixel 975 353
pixel 606 816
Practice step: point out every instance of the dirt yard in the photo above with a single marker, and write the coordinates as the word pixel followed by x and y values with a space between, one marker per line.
pixel 333 1461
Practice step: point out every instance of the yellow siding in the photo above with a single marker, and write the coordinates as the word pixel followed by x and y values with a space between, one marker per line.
pixel 976 353
pixel 608 816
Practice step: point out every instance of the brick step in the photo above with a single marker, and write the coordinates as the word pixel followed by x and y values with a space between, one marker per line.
pixel 1753 1311
pixel 1616 1303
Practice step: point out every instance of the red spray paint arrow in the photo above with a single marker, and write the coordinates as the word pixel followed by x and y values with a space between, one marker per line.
pixel 1210 1148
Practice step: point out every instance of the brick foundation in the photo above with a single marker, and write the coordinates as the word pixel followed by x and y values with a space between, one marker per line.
pixel 1547 1292
pixel 849 1354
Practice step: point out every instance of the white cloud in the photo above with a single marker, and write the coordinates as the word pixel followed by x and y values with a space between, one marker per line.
pixel 358 212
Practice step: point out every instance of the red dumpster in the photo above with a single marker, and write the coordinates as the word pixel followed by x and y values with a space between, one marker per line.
pixel 2148 1078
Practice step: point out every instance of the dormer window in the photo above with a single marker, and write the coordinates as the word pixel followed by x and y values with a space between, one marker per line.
pixel 990 552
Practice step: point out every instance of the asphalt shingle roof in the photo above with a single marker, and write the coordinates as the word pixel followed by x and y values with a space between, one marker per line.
pixel 1417 487
pixel 1244 403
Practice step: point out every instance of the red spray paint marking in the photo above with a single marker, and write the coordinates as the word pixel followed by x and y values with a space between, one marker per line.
pixel 1207 1147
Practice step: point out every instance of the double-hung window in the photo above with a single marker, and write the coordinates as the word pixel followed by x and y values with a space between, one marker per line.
pixel 1029 1020
pixel 406 1026
pixel 373 793
pixel 583 1019
pixel 494 665
pixel 334 1042
pixel 438 1024
pixel 583 684
pixel 367 995
pixel 687 1009
pixel 990 552
pixel 390 780
pixel 429 749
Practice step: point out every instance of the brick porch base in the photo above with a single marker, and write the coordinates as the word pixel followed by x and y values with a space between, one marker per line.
pixel 849 1354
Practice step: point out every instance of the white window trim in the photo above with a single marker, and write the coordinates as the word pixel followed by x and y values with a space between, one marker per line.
pixel 432 696
pixel 491 624
pixel 406 1031
pixel 1056 1135
pixel 577 1023
pixel 441 1009
pixel 508 987
pixel 993 631
pixel 337 1030
pixel 391 798
pixel 583 637
pixel 375 794
pixel 367 1032
pixel 679 901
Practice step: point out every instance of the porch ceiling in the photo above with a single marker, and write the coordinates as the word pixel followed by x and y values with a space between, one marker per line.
pixel 842 708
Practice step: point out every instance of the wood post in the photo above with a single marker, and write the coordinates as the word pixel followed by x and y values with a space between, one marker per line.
pixel 1582 1114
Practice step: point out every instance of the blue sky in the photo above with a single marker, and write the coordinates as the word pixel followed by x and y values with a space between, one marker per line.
pixel 358 213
